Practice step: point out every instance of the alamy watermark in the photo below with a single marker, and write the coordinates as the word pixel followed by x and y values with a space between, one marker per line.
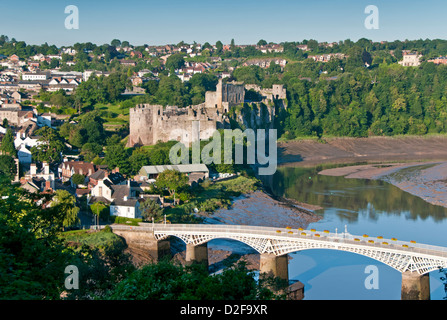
pixel 72 20
pixel 256 151
pixel 72 280
pixel 372 280
pixel 372 21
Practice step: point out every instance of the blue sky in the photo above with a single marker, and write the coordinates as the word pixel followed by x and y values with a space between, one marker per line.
pixel 247 21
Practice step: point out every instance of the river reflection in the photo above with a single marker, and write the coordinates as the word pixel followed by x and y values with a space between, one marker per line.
pixel 362 206
pixel 349 199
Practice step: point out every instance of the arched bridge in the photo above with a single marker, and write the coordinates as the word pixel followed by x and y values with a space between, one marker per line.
pixel 404 256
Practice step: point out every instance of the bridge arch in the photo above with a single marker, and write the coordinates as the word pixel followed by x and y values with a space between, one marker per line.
pixel 397 259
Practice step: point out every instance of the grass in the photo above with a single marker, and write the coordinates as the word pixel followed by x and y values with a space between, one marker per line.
pixel 126 221
pixel 113 114
pixel 210 197
pixel 97 239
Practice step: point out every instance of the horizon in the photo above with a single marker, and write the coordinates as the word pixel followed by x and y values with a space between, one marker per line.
pixel 246 22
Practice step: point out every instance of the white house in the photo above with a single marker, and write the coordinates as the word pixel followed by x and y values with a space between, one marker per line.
pixel 44 174
pixel 28 141
pixel 126 207
pixel 35 76
pixel 24 154
pixel 44 119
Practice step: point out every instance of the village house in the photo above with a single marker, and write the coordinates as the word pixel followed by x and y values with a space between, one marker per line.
pixel 128 63
pixel 119 193
pixel 68 168
pixel 43 178
pixel 439 60
pixel 410 59
pixel 194 172
pixel 35 76
pixel 136 54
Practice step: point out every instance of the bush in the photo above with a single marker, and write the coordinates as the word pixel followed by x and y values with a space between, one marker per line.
pixel 126 221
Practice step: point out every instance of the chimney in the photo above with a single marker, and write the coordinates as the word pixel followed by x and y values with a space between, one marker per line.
pixel 90 172
pixel 125 198
pixel 33 169
pixel 47 185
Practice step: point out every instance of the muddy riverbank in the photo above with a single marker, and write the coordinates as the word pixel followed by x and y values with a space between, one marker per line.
pixel 357 150
pixel 427 180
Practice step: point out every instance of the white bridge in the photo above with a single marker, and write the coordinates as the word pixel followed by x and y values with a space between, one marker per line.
pixel 404 256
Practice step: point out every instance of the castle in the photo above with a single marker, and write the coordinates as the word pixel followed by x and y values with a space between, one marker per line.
pixel 152 123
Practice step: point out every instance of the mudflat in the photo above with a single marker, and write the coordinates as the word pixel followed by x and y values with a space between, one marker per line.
pixel 354 150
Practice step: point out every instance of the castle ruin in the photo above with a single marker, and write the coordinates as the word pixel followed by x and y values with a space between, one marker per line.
pixel 150 124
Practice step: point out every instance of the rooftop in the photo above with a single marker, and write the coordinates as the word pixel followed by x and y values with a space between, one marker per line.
pixel 184 168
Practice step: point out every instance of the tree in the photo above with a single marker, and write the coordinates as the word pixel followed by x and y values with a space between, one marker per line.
pixel 66 204
pixel 7 145
pixel 174 62
pixel 167 281
pixel 32 256
pixel 100 210
pixel 150 209
pixel 171 180
pixel 115 43
pixel 8 166
pixel 51 146
pixel 261 42
pixel 138 159
pixel 366 57
pixel 78 179
pixel 118 156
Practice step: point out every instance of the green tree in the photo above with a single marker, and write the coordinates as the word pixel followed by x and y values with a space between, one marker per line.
pixel 118 156
pixel 261 42
pixel 32 257
pixel 151 209
pixel 78 179
pixel 66 204
pixel 172 181
pixel 51 146
pixel 174 62
pixel 101 210
pixel 8 166
pixel 7 145
pixel 115 43
pixel 167 281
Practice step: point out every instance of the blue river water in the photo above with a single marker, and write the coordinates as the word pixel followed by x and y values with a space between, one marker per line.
pixel 361 206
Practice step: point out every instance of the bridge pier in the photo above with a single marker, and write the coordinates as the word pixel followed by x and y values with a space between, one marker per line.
pixel 278 266
pixel 197 254
pixel 156 249
pixel 415 286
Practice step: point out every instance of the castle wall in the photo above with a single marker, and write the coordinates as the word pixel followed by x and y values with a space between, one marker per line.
pixel 152 123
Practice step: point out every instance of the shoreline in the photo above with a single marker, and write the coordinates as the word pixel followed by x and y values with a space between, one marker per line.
pixel 377 158
pixel 308 153
pixel 426 180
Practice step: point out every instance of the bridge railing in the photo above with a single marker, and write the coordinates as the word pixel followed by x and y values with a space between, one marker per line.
pixel 284 233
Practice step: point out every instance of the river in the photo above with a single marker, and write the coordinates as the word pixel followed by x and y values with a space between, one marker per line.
pixel 374 207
